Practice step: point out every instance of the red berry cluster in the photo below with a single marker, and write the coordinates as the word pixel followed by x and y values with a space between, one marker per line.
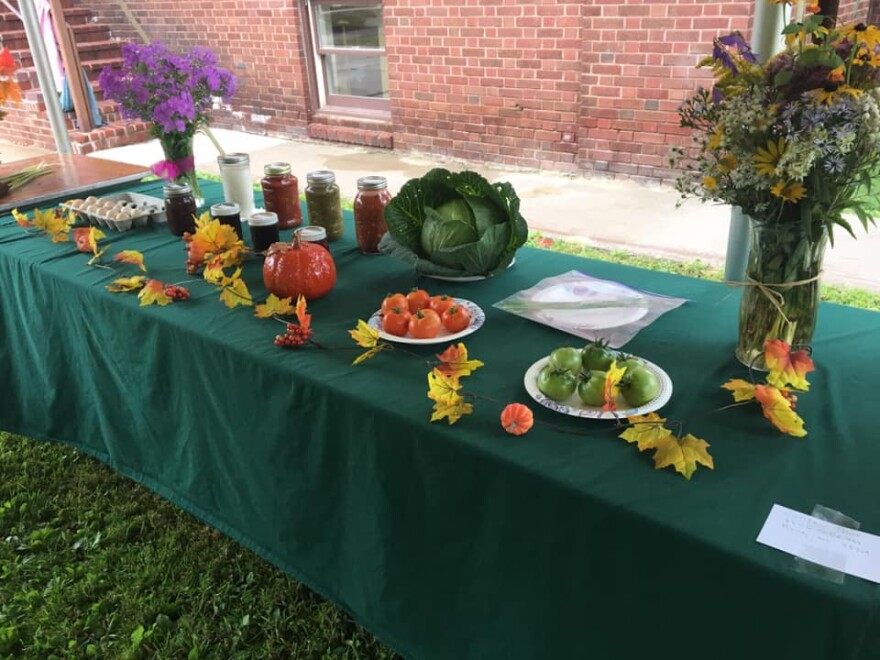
pixel 296 335
pixel 176 292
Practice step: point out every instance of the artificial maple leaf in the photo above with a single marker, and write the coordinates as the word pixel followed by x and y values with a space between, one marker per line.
pixel 22 219
pixel 647 431
pixel 56 225
pixel 10 91
pixel 214 275
pixel 154 293
pixel 95 257
pixel 273 305
pixel 451 411
pixel 683 455
pixel 212 238
pixel 778 407
pixel 302 315
pixel 235 292
pixel 7 62
pixel 443 388
pixel 787 368
pixel 363 357
pixel 131 257
pixel 742 390
pixel 612 385
pixel 125 284
pixel 454 362
pixel 364 336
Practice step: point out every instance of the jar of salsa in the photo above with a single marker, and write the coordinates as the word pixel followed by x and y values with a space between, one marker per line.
pixel 180 208
pixel 281 194
pixel 369 212
pixel 228 213
pixel 323 203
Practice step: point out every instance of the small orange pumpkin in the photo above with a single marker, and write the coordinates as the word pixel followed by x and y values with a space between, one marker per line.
pixel 81 239
pixel 291 269
pixel 517 418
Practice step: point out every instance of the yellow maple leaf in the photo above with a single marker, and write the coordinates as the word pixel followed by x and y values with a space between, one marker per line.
pixel 363 357
pixel 273 305
pixel 153 293
pixel 787 368
pixel 683 455
pixel 96 256
pixel 647 431
pixel 302 315
pixel 22 219
pixel 778 407
pixel 125 284
pixel 742 390
pixel 443 388
pixel 235 291
pixel 612 385
pixel 131 257
pixel 364 335
pixel 56 225
pixel 212 239
pixel 454 362
pixel 451 411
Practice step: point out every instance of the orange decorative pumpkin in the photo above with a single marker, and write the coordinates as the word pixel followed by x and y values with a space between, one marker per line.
pixel 81 239
pixel 298 268
pixel 517 418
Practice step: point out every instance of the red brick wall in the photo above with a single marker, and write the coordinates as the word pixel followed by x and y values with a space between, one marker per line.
pixel 565 85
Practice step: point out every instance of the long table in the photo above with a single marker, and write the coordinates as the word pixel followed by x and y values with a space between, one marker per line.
pixel 457 541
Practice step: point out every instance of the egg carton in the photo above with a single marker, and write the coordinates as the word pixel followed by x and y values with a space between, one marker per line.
pixel 119 212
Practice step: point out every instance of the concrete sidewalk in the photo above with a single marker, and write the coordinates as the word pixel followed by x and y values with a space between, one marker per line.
pixel 600 212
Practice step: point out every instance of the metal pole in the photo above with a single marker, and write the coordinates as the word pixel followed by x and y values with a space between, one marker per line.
pixel 766 42
pixel 44 76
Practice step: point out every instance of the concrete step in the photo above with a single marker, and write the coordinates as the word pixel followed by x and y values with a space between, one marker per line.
pixel 115 134
pixel 16 40
pixel 88 52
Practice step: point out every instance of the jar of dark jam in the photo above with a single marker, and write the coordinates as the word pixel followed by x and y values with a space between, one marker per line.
pixel 313 234
pixel 323 203
pixel 228 213
pixel 180 208
pixel 369 212
pixel 264 230
pixel 281 194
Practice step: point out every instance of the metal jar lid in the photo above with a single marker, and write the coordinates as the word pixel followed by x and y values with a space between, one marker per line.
pixel 311 233
pixel 276 169
pixel 263 219
pixel 177 190
pixel 372 183
pixel 321 176
pixel 224 209
pixel 233 159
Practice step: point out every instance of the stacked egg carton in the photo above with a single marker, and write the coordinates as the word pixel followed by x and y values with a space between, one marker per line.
pixel 119 212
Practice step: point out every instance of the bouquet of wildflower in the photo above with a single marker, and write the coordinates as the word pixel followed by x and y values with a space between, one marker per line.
pixel 794 142
pixel 795 139
pixel 173 92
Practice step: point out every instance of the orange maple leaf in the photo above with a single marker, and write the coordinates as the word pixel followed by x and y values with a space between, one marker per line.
pixel 22 219
pixel 787 368
pixel 131 257
pixel 305 319
pixel 454 362
pixel 7 63
pixel 153 293
pixel 612 386
pixel 778 407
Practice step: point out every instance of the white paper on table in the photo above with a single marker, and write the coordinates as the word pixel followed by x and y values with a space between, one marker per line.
pixel 847 550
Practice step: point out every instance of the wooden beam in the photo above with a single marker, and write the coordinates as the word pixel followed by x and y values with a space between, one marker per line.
pixel 72 67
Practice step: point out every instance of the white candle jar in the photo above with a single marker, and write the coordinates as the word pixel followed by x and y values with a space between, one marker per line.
pixel 238 186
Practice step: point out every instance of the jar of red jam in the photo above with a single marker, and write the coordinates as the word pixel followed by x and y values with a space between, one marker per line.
pixel 369 212
pixel 313 234
pixel 180 208
pixel 228 213
pixel 281 194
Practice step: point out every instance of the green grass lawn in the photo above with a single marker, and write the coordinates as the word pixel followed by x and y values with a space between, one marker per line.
pixel 94 565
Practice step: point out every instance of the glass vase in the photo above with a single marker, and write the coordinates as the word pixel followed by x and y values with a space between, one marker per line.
pixel 781 290
pixel 179 164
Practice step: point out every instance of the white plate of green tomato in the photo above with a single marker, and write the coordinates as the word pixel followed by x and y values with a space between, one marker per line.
pixel 571 381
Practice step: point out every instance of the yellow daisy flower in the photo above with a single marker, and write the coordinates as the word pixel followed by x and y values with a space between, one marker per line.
pixel 710 183
pixel 790 192
pixel 768 157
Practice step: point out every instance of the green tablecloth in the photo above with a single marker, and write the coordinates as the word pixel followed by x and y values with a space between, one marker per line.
pixel 461 541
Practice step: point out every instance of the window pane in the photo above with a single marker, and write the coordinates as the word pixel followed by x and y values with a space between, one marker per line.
pixel 351 75
pixel 343 25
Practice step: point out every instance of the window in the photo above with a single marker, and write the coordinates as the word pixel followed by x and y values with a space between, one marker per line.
pixel 348 43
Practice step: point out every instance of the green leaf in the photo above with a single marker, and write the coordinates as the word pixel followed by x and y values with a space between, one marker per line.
pixel 783 77
pixel 137 637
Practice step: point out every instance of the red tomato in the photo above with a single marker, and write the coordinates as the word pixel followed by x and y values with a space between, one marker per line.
pixel 396 321
pixel 393 300
pixel 455 319
pixel 424 324
pixel 418 299
pixel 441 303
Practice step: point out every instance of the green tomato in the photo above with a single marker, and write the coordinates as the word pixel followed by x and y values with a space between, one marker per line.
pixel 591 389
pixel 556 385
pixel 566 359
pixel 597 356
pixel 630 362
pixel 639 386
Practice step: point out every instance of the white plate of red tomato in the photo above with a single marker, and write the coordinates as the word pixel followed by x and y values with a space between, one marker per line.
pixel 420 318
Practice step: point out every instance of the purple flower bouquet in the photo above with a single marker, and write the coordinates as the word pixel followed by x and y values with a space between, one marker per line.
pixel 174 93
